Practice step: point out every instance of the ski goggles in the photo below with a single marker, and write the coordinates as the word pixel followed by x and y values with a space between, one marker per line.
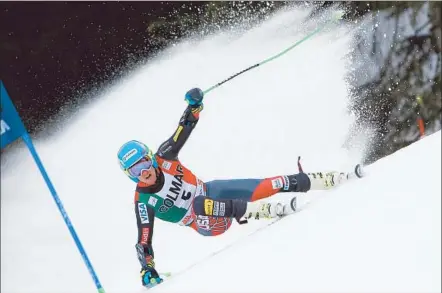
pixel 136 170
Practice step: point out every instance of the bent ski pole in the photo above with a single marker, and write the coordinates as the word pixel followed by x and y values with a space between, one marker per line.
pixel 335 17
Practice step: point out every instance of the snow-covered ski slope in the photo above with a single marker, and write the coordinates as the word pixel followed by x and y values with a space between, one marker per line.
pixel 379 234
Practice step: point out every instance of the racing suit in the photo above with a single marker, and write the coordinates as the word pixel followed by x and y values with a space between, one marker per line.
pixel 172 197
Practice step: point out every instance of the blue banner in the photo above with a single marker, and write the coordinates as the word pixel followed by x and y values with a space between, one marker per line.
pixel 11 124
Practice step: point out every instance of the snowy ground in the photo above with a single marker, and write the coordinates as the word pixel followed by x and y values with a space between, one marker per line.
pixel 377 234
pixel 380 234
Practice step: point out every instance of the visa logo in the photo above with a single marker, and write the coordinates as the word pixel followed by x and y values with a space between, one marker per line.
pixel 142 211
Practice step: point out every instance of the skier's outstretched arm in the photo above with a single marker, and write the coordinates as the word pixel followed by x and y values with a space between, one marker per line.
pixel 145 222
pixel 170 149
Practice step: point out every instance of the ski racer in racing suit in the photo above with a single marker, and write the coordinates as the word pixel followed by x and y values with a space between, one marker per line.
pixel 167 190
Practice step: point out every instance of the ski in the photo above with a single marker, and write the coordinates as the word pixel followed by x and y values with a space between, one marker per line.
pixel 292 206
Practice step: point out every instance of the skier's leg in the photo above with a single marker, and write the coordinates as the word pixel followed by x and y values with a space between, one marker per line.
pixel 235 198
pixel 256 189
pixel 235 208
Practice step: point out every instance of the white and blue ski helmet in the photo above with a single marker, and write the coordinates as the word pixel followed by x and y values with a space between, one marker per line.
pixel 131 153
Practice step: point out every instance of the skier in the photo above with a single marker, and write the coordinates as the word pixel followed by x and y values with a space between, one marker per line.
pixel 169 191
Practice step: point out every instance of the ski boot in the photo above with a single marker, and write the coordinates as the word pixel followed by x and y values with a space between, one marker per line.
pixel 269 210
pixel 326 180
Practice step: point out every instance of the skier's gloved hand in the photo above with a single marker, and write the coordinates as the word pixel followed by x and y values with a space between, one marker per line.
pixel 150 277
pixel 194 97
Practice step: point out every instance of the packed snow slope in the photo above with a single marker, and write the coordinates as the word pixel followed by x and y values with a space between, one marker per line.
pixel 381 233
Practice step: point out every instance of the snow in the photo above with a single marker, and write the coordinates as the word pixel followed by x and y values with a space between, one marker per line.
pixel 378 234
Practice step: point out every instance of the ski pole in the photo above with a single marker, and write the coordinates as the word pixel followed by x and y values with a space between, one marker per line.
pixel 335 17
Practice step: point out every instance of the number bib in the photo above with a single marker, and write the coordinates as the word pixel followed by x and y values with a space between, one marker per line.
pixel 175 199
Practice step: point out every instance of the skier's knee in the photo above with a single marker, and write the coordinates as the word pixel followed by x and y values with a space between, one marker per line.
pixel 303 183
